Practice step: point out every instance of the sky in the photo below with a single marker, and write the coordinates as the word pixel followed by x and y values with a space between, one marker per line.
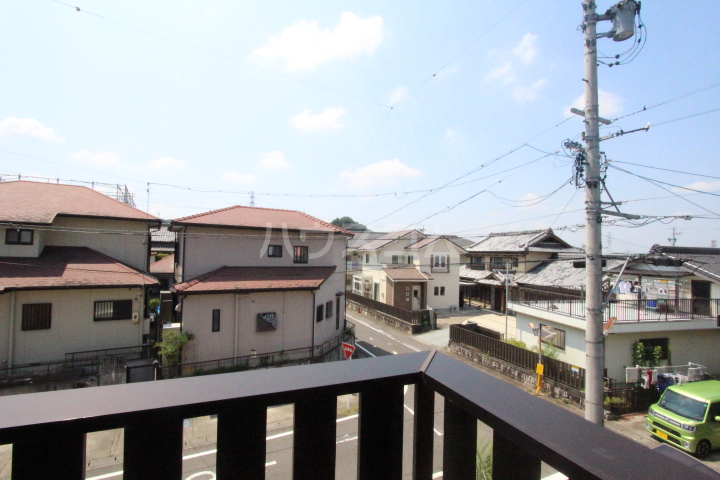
pixel 447 116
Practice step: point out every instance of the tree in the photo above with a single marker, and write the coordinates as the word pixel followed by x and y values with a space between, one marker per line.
pixel 349 223
pixel 172 344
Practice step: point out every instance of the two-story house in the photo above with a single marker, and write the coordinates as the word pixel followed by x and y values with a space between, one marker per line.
pixel 407 269
pixel 72 272
pixel 665 299
pixel 257 280
pixel 500 254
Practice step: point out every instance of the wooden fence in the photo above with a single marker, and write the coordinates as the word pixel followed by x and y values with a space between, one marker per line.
pixel 414 318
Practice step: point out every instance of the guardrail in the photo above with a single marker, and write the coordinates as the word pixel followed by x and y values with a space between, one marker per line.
pixel 526 431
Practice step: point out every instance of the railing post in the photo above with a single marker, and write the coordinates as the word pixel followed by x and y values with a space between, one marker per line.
pixel 380 433
pixel 459 443
pixel 55 452
pixel 511 462
pixel 314 437
pixel 146 457
pixel 423 423
pixel 241 445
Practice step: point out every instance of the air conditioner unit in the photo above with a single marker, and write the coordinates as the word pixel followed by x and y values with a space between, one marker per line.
pixel 135 317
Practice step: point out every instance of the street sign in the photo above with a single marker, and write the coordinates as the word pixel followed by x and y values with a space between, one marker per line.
pixel 348 349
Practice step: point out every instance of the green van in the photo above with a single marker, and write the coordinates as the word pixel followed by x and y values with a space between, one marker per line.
pixel 688 417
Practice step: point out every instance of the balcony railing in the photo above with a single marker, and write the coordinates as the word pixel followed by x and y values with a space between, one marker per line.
pixel 354 266
pixel 623 310
pixel 48 430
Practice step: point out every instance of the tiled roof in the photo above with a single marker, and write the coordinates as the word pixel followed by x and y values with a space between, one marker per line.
pixel 68 267
pixel 362 238
pixel 560 274
pixel 427 241
pixel 517 242
pixel 407 274
pixel 261 218
pixel 244 279
pixel 40 203
pixel 388 238
pixel 166 265
pixel 163 235
pixel 485 277
pixel 704 262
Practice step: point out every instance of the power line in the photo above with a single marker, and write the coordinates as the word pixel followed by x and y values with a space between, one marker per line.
pixel 666 169
pixel 644 109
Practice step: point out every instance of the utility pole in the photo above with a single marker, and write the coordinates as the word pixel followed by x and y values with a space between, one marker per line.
pixel 252 198
pixel 594 339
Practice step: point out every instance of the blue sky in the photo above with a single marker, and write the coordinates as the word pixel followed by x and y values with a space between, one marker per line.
pixel 207 101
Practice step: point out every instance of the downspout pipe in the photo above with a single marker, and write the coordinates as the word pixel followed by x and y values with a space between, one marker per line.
pixel 312 319
pixel 11 339
pixel 237 321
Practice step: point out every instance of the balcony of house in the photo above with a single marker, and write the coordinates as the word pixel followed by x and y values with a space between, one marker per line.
pixel 51 442
pixel 624 311
pixel 355 266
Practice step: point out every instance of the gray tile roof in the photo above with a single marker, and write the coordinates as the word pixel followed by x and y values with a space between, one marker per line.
pixel 559 273
pixel 703 262
pixel 518 242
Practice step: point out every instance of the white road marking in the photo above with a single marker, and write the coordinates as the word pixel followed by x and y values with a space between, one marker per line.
pixel 394 352
pixel 364 349
pixel 347 440
pixel 437 475
pixel 198 474
pixel 413 413
pixel 386 334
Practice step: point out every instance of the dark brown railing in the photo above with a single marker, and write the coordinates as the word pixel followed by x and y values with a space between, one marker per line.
pixel 129 353
pixel 554 369
pixel 644 310
pixel 51 442
pixel 414 318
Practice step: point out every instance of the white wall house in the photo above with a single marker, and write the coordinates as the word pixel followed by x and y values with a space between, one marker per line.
pixel 257 279
pixel 406 269
pixel 72 264
pixel 667 309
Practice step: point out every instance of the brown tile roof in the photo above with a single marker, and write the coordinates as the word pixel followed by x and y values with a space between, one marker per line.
pixel 166 265
pixel 257 279
pixel 261 218
pixel 40 203
pixel 407 274
pixel 68 267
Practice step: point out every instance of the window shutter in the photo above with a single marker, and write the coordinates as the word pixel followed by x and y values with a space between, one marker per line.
pixel 432 260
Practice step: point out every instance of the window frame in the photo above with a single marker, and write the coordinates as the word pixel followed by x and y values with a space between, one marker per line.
pixel 29 324
pixel 19 240
pixel 274 251
pixel 436 291
pixel 649 345
pixel 119 309
pixel 216 320
pixel 442 291
pixel 554 340
pixel 329 309
pixel 300 254
pixel 320 312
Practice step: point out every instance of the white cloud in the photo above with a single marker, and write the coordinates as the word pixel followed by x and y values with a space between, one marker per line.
pixel 103 159
pixel 329 119
pixel 702 186
pixel 28 127
pixel 524 94
pixel 304 46
pixel 610 104
pixel 274 160
pixel 382 172
pixel 166 162
pixel 504 73
pixel 398 94
pixel 239 177
pixel 527 48
pixel 451 135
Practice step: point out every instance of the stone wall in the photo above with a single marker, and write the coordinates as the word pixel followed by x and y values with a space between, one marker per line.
pixel 521 375
pixel 392 321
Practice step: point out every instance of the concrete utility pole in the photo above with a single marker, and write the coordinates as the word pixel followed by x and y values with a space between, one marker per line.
pixel 594 340
pixel 623 16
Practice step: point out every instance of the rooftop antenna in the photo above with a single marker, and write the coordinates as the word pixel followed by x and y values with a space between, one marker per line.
pixel 252 198
pixel 675 234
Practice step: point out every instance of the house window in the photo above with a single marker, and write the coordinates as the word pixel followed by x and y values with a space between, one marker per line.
pixel 328 309
pixel 650 343
pixel 216 320
pixel 515 262
pixel 398 259
pixel 552 336
pixel 442 291
pixel 19 236
pixel 367 258
pixel 36 316
pixel 357 286
pixel 497 262
pixel 275 251
pixel 319 313
pixel 266 322
pixel 437 291
pixel 113 310
pixel 337 314
pixel 300 254
pixel 411 260
pixel 477 263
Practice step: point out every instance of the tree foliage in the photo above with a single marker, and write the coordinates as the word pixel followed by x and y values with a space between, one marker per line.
pixel 172 344
pixel 349 224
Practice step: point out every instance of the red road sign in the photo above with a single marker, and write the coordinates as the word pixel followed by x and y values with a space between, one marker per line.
pixel 348 349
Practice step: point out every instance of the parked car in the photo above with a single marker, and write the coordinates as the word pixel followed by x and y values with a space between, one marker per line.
pixel 688 417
